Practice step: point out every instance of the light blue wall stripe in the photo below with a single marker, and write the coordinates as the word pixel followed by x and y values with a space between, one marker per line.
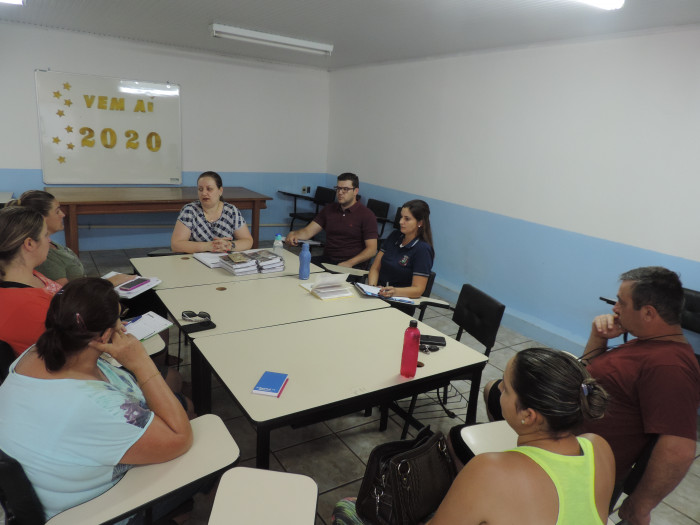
pixel 549 279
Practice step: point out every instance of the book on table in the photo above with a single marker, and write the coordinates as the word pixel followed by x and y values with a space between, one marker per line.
pixel 373 291
pixel 146 325
pixel 238 263
pixel 328 286
pixel 209 259
pixel 271 384
pixel 264 257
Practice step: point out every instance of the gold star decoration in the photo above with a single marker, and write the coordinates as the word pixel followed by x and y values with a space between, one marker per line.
pixel 56 94
pixel 56 140
pixel 70 145
pixel 68 102
pixel 60 113
pixel 69 129
pixel 66 86
pixel 61 160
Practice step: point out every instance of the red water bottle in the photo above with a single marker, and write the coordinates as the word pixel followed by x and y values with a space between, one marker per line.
pixel 409 357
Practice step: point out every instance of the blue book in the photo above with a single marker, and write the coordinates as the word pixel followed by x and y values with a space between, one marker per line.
pixel 271 384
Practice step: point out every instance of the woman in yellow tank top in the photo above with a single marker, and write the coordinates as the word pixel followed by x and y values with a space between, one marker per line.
pixel 553 477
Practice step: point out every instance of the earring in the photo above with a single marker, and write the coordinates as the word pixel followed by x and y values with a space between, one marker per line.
pixel 522 421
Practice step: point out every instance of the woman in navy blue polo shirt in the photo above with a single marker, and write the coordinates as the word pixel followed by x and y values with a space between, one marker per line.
pixel 403 264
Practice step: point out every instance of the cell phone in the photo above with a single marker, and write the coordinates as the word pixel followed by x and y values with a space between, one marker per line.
pixel 432 340
pixel 127 287
pixel 198 327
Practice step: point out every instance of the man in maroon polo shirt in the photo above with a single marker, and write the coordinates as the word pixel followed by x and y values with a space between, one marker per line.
pixel 351 228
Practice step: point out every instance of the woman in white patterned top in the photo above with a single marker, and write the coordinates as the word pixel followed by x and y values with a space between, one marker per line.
pixel 210 224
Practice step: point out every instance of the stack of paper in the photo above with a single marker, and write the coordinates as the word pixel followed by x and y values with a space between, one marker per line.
pixel 267 261
pixel 146 325
pixel 209 259
pixel 328 286
pixel 238 263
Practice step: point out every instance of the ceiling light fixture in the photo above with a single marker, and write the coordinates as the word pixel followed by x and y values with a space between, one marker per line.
pixel 13 2
pixel 268 39
pixel 608 5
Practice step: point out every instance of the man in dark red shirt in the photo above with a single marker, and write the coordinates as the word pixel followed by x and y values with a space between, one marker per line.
pixel 351 228
pixel 653 382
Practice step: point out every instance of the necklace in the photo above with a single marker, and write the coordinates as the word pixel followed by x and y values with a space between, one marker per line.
pixel 215 214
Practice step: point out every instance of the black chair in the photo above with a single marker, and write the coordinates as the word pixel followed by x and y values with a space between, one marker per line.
pixel 478 314
pixel 7 356
pixel 381 212
pixel 17 496
pixel 322 197
pixel 635 475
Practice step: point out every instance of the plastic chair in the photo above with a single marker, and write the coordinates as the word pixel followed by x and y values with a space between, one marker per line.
pixel 476 313
pixel 7 357
pixel 322 197
pixel 288 498
pixel 213 451
pixel 381 212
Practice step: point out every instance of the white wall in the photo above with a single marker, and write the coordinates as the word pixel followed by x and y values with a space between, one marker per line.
pixel 598 138
pixel 236 116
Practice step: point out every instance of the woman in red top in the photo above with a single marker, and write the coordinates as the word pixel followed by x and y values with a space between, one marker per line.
pixel 25 294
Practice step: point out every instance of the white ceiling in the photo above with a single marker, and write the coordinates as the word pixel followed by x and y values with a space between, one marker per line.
pixel 362 31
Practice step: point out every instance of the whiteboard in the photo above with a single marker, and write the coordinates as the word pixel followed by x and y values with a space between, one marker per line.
pixel 102 130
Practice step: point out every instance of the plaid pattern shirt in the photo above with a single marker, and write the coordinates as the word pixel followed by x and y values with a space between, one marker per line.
pixel 201 230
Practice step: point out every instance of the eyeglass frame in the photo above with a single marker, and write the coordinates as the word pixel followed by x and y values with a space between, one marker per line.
pixel 343 189
pixel 189 315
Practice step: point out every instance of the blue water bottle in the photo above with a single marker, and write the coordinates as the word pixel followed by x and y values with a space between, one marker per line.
pixel 304 262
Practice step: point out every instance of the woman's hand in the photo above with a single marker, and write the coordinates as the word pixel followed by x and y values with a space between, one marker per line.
pixel 224 244
pixel 126 349
pixel 120 278
pixel 387 291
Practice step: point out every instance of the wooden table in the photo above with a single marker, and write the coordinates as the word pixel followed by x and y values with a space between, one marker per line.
pixel 336 366
pixel 177 271
pixel 101 201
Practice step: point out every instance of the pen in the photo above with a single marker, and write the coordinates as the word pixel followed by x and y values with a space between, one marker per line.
pixel 132 320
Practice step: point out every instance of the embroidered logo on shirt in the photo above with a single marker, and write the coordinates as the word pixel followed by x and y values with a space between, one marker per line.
pixel 403 261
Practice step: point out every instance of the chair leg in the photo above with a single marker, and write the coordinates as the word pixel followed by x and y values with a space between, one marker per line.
pixel 368 412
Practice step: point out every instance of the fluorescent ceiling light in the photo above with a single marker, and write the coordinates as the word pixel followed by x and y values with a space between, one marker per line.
pixel 604 4
pixel 13 2
pixel 268 39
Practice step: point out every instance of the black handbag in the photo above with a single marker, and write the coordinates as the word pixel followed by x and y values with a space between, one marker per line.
pixel 406 480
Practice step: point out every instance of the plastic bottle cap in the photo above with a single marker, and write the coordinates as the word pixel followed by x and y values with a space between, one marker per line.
pixel 413 324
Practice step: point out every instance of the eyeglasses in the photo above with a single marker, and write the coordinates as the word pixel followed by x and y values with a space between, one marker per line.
pixel 427 349
pixel 189 315
pixel 343 189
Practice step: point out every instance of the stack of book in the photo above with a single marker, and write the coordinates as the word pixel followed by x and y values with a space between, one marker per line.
pixel 238 263
pixel 267 261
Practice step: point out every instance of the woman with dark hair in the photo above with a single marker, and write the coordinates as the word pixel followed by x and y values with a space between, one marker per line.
pixel 404 263
pixel 76 423
pixel 553 476
pixel 210 224
pixel 61 264
pixel 24 292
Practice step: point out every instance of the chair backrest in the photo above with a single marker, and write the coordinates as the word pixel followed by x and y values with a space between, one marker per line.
pixel 7 356
pixel 17 496
pixel 324 195
pixel 690 319
pixel 429 285
pixel 479 315
pixel 379 208
pixel 397 218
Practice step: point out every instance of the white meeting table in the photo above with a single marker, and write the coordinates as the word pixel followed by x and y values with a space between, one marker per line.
pixel 336 366
pixel 177 271
pixel 247 305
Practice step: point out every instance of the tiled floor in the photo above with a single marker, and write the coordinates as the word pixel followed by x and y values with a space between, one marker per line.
pixel 334 453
